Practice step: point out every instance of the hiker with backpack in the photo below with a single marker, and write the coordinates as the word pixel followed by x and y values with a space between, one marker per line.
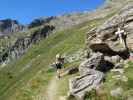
pixel 59 63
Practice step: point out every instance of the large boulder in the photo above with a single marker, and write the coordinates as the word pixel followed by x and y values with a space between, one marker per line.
pixel 97 62
pixel 85 83
pixel 91 76
pixel 113 59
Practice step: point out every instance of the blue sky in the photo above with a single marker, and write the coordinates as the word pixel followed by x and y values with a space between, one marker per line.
pixel 26 10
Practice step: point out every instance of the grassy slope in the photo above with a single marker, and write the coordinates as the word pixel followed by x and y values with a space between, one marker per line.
pixel 13 75
pixel 32 68
pixel 127 86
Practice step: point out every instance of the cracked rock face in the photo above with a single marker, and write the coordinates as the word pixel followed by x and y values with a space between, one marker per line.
pixel 94 62
pixel 103 38
pixel 22 44
pixel 80 85
pixel 97 62
pixel 89 77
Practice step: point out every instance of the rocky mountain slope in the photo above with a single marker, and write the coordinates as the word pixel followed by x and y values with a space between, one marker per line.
pixel 8 26
pixel 106 52
pixel 105 71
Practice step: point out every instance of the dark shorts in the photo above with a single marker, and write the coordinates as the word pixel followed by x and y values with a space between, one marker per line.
pixel 58 65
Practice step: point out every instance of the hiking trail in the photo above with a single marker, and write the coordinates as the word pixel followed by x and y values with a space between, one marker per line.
pixel 51 90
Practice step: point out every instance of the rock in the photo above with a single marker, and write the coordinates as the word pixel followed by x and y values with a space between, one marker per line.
pixel 108 51
pixel 81 84
pixel 95 62
pixel 89 77
pixel 116 92
pixel 71 70
pixel 119 65
pixel 124 78
pixel 121 71
pixel 108 58
pixel 102 47
pixel 116 59
pixel 120 77
pixel 113 59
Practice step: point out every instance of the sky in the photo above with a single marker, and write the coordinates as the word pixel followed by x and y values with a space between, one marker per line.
pixel 26 10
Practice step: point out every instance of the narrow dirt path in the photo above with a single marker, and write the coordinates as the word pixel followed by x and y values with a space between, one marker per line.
pixel 51 91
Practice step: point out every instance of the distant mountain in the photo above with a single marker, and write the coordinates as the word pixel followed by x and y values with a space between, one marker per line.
pixel 8 26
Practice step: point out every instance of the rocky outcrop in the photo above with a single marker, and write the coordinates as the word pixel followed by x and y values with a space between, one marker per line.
pixel 41 33
pixel 22 44
pixel 9 26
pixel 86 82
pixel 91 76
pixel 97 62
pixel 106 52
pixel 40 21
pixel 103 38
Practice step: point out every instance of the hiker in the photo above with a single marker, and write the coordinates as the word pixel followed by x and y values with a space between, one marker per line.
pixel 59 62
pixel 122 36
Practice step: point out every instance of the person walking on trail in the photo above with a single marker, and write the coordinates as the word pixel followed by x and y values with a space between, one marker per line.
pixel 122 36
pixel 59 62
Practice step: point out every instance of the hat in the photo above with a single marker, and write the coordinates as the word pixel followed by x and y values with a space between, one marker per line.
pixel 58 56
